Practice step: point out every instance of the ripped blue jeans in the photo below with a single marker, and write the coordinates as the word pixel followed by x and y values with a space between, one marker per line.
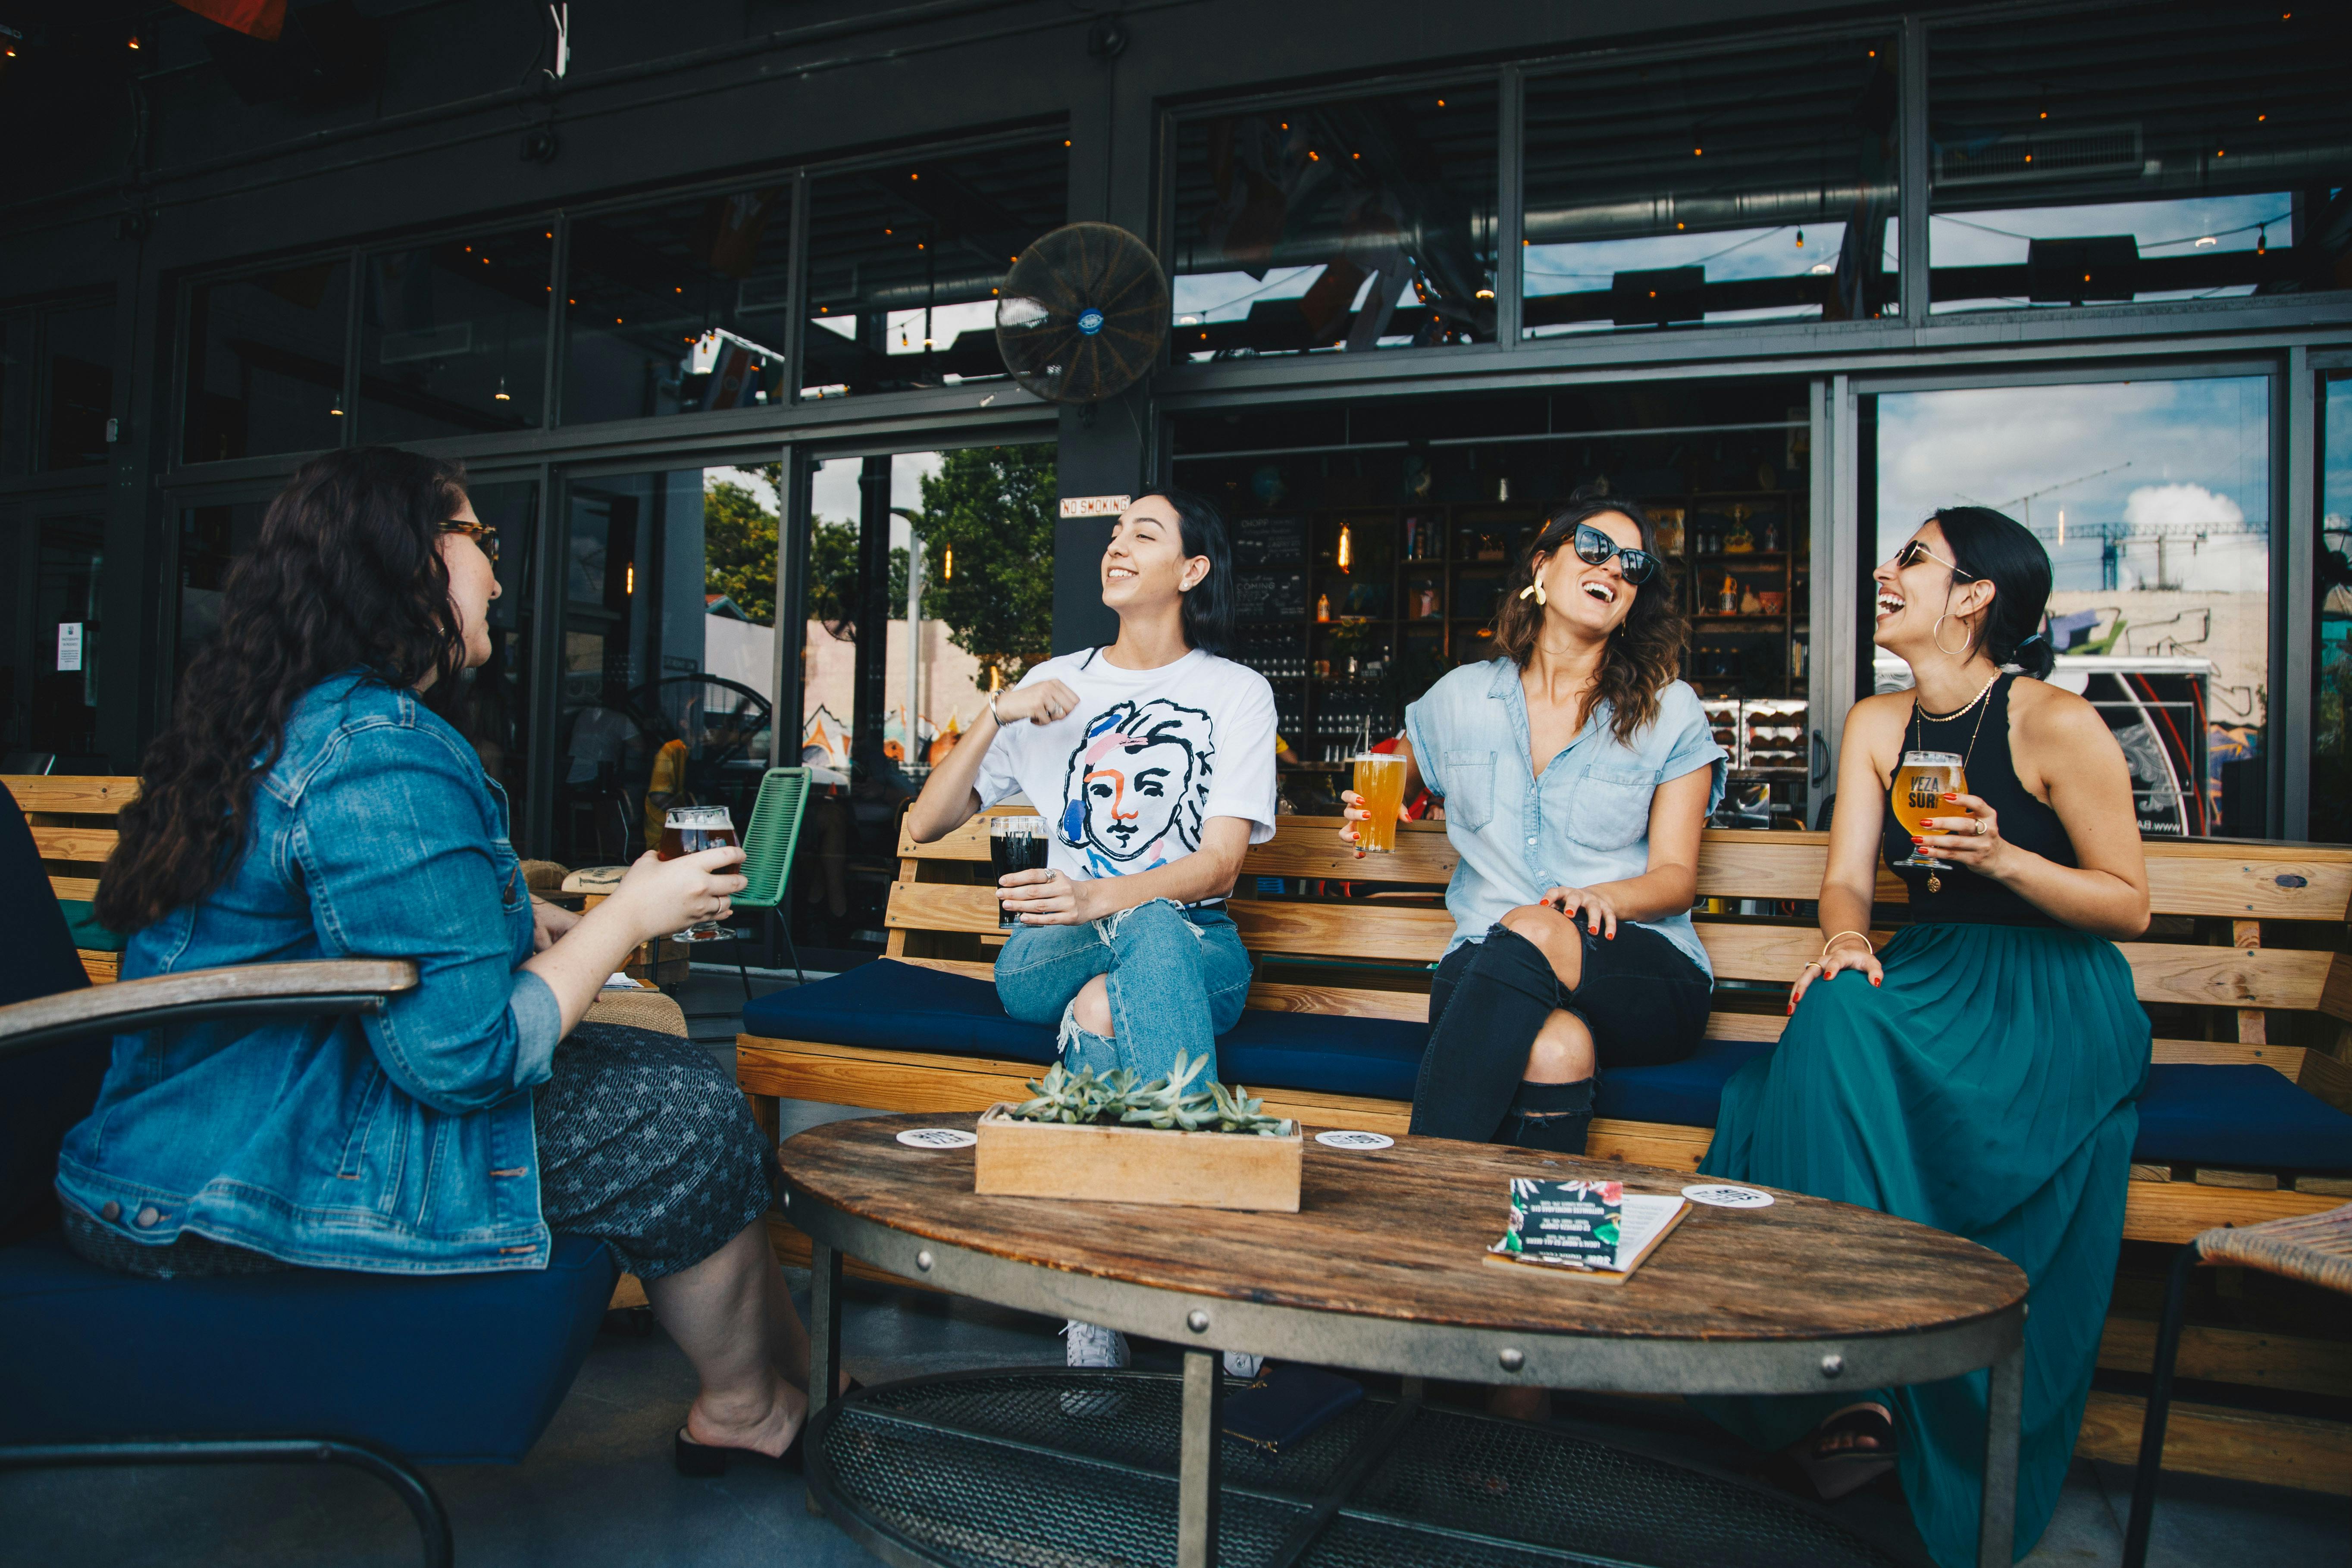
pixel 1179 978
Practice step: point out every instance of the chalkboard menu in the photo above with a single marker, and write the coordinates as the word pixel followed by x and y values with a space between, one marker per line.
pixel 1269 595
pixel 1269 541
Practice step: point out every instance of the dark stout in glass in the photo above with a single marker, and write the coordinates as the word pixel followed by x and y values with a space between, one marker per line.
pixel 1015 844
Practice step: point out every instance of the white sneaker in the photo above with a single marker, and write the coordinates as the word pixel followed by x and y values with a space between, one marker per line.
pixel 1092 1346
pixel 1095 1348
pixel 1243 1364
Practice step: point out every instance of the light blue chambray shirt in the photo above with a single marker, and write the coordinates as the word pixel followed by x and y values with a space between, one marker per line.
pixel 1586 821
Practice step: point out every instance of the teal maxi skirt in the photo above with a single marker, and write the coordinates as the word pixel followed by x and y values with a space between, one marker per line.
pixel 1987 1088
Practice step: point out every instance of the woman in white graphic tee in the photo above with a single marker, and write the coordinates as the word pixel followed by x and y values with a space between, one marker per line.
pixel 1152 762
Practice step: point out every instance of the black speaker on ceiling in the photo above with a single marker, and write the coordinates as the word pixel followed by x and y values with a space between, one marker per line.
pixel 328 53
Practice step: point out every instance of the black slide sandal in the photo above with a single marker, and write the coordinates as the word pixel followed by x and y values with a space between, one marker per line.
pixel 1838 1471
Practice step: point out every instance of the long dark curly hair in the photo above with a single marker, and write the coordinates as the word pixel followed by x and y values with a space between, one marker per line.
pixel 346 573
pixel 1645 651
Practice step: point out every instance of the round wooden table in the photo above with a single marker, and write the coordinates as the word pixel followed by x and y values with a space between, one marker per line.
pixel 1385 1268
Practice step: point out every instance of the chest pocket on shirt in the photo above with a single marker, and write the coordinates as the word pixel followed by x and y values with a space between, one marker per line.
pixel 1470 777
pixel 1610 807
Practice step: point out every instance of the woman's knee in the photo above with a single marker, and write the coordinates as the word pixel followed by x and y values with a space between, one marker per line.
pixel 1091 1008
pixel 1562 1051
pixel 1554 935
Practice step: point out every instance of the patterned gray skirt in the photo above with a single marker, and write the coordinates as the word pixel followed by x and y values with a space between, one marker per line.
pixel 644 1143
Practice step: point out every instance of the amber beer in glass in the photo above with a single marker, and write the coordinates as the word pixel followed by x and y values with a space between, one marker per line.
pixel 1920 786
pixel 688 830
pixel 1380 779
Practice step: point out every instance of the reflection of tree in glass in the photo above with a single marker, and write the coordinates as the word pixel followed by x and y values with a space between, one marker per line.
pixel 992 507
pixel 739 543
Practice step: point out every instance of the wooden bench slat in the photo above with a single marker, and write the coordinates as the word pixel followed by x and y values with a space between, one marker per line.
pixel 79 889
pixel 86 795
pixel 89 844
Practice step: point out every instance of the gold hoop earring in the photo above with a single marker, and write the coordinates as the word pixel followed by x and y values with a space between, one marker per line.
pixel 1936 634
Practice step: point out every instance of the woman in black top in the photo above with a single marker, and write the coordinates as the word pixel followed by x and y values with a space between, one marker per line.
pixel 1980 1073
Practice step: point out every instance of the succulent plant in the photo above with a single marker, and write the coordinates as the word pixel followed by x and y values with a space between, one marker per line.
pixel 1171 1103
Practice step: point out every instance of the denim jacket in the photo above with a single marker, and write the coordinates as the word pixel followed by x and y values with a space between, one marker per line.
pixel 396 1145
pixel 1586 821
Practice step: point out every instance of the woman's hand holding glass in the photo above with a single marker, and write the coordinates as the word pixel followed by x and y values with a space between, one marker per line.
pixel 662 896
pixel 1352 808
pixel 1049 897
pixel 1972 842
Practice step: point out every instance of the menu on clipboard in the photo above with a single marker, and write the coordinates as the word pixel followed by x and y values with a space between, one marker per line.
pixel 1593 1227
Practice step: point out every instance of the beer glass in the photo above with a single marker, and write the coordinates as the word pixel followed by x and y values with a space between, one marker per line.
pixel 687 830
pixel 1015 844
pixel 1920 786
pixel 1379 780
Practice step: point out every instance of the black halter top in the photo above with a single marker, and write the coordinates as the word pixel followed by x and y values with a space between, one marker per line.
pixel 1992 777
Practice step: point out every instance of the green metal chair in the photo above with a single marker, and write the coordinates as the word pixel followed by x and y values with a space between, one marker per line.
pixel 769 841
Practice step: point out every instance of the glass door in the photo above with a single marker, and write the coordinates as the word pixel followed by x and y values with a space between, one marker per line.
pixel 2153 498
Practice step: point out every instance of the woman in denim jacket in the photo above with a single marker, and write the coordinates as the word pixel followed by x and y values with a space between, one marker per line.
pixel 1578 775
pixel 307 802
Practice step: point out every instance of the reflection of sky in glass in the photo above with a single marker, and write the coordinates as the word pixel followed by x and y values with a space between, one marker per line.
pixel 2186 454
pixel 1201 297
pixel 834 494
pixel 1999 237
pixel 903 331
pixel 1737 253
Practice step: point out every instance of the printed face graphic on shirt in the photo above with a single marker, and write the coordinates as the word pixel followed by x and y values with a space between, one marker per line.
pixel 1132 796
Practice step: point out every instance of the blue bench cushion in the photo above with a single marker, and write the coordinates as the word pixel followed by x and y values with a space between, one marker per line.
pixel 446 1369
pixel 2190 1114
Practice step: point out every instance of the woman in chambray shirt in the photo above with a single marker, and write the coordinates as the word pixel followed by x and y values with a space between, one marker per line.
pixel 309 801
pixel 1577 773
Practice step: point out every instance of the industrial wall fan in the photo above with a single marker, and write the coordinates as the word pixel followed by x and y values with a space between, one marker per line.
pixel 1084 313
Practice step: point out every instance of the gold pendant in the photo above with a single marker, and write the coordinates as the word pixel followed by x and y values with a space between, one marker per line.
pixel 1934 883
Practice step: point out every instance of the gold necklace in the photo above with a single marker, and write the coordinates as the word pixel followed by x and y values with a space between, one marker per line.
pixel 1919 740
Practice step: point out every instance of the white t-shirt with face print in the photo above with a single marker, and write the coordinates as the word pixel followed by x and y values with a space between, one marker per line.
pixel 1127 781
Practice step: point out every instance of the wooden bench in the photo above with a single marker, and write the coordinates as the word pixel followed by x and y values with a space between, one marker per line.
pixel 2204 970
pixel 72 819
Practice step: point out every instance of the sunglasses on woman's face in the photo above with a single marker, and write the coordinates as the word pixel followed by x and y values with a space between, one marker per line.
pixel 482 533
pixel 1915 551
pixel 1592 547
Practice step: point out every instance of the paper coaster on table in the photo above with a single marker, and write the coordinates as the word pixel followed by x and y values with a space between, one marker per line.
pixel 1725 1197
pixel 937 1138
pixel 1338 1139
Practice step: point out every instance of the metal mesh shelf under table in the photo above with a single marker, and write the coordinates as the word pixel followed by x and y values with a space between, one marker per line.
pixel 1049 1468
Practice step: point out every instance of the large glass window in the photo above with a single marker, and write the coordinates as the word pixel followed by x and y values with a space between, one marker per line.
pixel 2181 152
pixel 1750 186
pixel 454 336
pixel 57 386
pixel 494 712
pixel 2153 498
pixel 1346 224
pixel 212 538
pixel 904 260
pixel 265 363
pixel 678 308
pixel 2331 734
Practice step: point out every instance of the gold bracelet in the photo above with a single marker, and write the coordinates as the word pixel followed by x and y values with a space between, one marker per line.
pixel 1842 936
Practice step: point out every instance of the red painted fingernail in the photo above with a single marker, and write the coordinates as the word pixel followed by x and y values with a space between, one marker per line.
pixel 1612 936
pixel 1916 839
pixel 1950 796
pixel 1873 982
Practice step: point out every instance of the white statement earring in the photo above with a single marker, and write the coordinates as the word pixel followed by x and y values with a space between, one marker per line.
pixel 1535 590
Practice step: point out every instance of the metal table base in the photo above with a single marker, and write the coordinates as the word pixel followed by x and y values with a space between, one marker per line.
pixel 1221 1512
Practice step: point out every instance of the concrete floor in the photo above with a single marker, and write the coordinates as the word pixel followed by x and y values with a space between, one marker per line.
pixel 598 1491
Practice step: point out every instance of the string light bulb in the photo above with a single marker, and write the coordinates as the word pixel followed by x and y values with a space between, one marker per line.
pixel 1343 547
pixel 947 565
pixel 1801 239
pixel 502 395
pixel 2263 240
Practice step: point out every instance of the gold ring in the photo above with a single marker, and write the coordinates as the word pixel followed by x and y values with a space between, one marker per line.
pixel 1983 827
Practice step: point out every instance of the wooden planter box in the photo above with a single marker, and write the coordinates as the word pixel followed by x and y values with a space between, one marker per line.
pixel 1135 1165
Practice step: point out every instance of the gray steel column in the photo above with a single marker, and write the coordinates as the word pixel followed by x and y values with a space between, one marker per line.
pixel 2294 561
pixel 791 608
pixel 1510 209
pixel 1834 646
pixel 543 702
pixel 2004 1411
pixel 1913 194
pixel 1199 1452
pixel 824 1333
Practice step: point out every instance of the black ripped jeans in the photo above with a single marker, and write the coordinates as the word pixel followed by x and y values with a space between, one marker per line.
pixel 1644 1001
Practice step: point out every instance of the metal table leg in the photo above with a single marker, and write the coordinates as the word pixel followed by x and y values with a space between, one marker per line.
pixel 2004 1415
pixel 824 1333
pixel 1199 1460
